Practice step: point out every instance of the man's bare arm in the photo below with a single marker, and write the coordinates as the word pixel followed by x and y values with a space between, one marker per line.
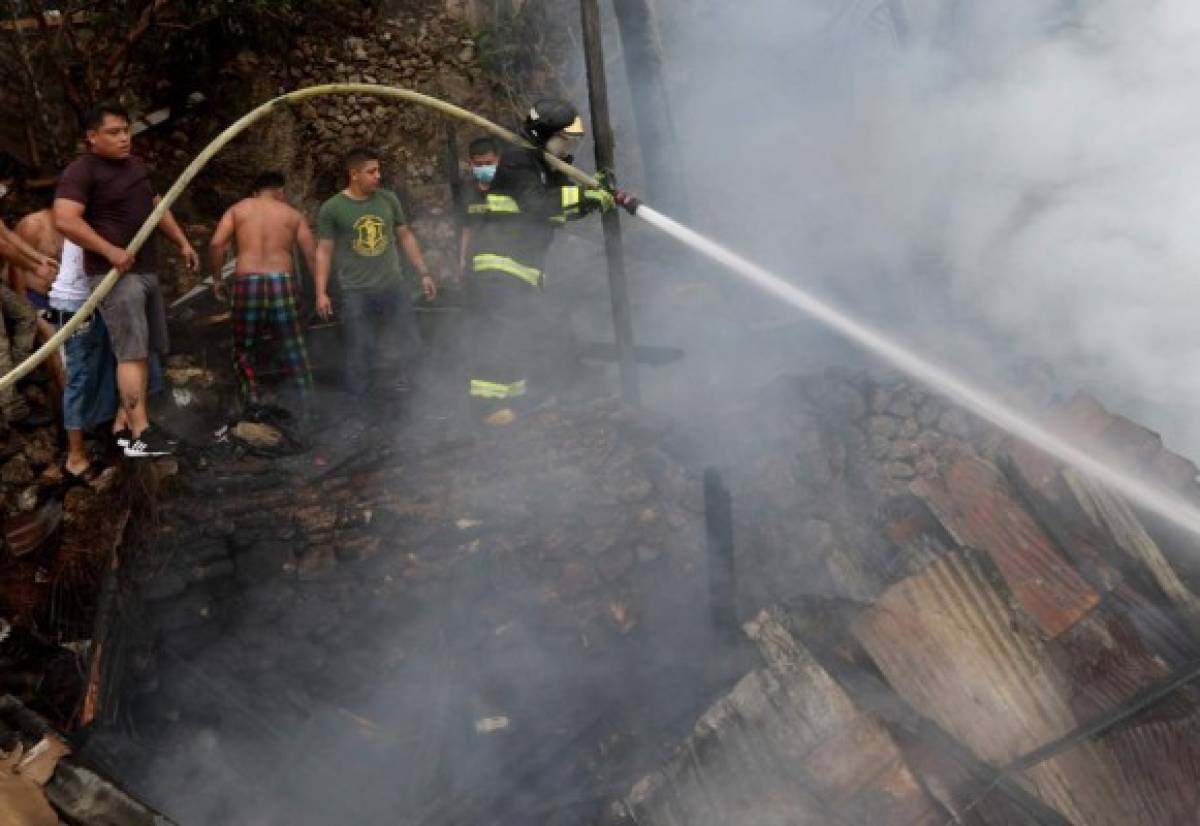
pixel 217 247
pixel 68 219
pixel 18 251
pixel 169 227
pixel 412 250
pixel 324 261
pixel 307 243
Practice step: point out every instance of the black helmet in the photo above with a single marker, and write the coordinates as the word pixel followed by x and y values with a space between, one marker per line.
pixel 550 116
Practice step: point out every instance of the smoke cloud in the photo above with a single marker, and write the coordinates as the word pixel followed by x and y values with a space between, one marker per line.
pixel 1012 180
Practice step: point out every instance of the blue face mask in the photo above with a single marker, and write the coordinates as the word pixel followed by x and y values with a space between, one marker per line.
pixel 484 174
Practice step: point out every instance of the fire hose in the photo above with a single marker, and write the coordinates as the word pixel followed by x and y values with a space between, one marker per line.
pixel 232 131
pixel 1152 496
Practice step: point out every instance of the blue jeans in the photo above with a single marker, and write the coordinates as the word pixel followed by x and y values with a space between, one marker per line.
pixel 369 318
pixel 90 393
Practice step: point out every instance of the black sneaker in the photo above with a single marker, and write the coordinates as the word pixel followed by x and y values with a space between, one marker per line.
pixel 148 445
pixel 123 437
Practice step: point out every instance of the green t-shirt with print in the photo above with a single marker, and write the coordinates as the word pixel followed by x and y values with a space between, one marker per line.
pixel 364 239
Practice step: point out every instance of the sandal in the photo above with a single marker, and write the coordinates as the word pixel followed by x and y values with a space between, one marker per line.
pixel 90 474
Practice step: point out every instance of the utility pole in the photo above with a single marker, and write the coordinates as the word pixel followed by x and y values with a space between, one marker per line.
pixel 618 288
pixel 652 116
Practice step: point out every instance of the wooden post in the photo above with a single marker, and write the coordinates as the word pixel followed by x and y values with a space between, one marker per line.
pixel 606 160
pixel 644 68
pixel 718 525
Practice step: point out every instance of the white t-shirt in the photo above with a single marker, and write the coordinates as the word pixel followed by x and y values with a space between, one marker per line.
pixel 70 288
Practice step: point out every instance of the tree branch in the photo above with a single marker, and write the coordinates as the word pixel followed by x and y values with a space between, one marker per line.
pixel 121 55
pixel 73 94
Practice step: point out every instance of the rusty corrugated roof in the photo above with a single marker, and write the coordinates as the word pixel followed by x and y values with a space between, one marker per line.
pixel 975 504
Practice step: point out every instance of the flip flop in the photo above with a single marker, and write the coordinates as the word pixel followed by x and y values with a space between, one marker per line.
pixel 90 474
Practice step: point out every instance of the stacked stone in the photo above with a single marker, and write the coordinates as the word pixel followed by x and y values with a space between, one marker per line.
pixel 428 52
pixel 915 433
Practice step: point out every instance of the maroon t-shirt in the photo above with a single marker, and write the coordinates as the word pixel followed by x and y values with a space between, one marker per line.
pixel 118 197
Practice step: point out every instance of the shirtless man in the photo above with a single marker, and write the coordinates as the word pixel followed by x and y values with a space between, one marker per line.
pixel 15 309
pixel 38 231
pixel 265 229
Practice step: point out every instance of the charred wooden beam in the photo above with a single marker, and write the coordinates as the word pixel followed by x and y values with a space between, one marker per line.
pixel 718 524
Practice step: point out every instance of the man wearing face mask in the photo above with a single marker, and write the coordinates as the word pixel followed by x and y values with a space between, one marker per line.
pixel 515 340
pixel 483 156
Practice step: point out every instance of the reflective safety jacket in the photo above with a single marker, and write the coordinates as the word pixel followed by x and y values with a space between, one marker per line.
pixel 514 224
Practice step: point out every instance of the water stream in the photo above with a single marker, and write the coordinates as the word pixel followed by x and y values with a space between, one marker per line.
pixel 1138 491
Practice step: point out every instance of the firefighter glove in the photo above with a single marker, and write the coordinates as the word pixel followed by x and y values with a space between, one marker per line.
pixel 598 199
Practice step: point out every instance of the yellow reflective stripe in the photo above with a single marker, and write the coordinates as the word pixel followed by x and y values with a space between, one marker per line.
pixel 570 197
pixel 481 389
pixel 502 263
pixel 502 203
pixel 477 209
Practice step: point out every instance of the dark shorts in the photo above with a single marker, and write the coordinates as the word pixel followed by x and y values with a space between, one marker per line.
pixel 136 316
pixel 37 299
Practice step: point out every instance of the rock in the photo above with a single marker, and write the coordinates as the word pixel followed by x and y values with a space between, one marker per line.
pixel 885 427
pixel 257 434
pixel 316 562
pixel 264 560
pixel 899 470
pixel 902 406
pixel 190 376
pixel 954 422
pixel 881 446
pixel 909 429
pixel 881 398
pixel 355 550
pixel 904 449
pixel 16 471
pixel 27 500
pixel 191 608
pixel 929 441
pixel 41 449
pixel 164 586
pixel 929 412
pixel 927 466
pixel 213 569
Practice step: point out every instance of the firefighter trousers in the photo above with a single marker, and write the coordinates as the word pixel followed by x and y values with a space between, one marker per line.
pixel 518 348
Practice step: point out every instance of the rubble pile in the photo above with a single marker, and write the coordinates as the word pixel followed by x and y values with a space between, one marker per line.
pixel 989 639
pixel 56 545
pixel 484 603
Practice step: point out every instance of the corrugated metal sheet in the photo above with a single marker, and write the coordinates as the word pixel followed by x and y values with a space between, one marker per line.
pixel 974 503
pixel 786 746
pixel 950 643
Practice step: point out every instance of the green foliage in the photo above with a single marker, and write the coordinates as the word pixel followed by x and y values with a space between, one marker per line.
pixel 524 46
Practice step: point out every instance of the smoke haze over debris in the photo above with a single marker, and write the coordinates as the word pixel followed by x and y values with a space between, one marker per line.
pixel 1016 180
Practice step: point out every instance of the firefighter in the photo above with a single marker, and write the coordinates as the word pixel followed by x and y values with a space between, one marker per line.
pixel 516 342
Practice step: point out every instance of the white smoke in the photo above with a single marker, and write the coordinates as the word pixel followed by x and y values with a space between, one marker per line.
pixel 1029 168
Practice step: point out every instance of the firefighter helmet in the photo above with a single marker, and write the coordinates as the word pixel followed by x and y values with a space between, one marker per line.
pixel 548 117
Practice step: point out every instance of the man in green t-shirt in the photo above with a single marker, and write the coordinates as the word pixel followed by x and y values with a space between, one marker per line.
pixel 358 231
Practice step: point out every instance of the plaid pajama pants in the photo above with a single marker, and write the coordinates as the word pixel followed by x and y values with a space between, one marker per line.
pixel 267 301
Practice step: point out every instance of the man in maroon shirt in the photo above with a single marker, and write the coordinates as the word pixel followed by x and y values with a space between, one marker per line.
pixel 103 198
